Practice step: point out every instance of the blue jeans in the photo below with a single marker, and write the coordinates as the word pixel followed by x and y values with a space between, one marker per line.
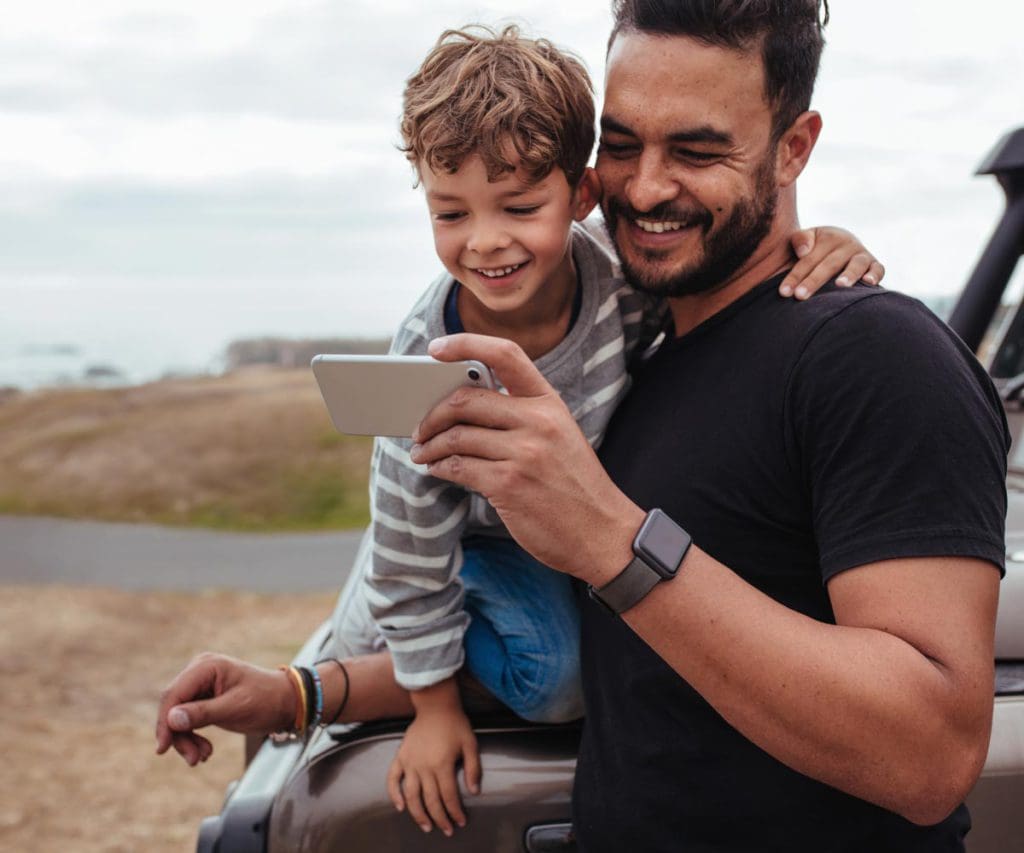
pixel 523 643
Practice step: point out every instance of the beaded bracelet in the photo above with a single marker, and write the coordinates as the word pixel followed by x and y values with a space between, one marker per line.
pixel 344 695
pixel 315 714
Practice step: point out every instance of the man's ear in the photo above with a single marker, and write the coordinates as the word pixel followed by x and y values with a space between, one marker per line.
pixel 796 146
pixel 586 195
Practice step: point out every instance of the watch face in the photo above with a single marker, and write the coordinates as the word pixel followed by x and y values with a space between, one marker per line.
pixel 662 543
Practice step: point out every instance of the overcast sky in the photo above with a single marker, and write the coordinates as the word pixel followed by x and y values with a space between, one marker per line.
pixel 244 151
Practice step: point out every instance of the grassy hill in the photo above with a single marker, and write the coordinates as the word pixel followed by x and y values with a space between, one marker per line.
pixel 251 450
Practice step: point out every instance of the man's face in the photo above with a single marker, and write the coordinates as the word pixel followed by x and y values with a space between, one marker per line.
pixel 687 161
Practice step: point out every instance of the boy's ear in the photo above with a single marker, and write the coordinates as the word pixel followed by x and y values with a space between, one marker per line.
pixel 587 194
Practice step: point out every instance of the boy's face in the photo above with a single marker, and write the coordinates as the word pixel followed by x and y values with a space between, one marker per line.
pixel 507 241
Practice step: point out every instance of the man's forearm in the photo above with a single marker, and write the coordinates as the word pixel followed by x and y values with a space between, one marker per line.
pixel 858 708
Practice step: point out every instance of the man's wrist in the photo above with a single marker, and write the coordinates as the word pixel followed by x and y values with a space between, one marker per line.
pixel 287 704
pixel 614 551
pixel 659 548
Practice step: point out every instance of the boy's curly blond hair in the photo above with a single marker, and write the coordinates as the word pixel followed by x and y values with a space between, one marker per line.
pixel 510 99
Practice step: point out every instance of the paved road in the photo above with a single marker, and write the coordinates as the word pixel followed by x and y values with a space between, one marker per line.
pixel 129 556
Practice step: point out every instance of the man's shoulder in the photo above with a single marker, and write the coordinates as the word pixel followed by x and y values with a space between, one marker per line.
pixel 876 312
pixel 861 316
pixel 876 344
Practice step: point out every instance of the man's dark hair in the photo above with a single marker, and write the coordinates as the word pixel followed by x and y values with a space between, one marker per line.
pixel 789 33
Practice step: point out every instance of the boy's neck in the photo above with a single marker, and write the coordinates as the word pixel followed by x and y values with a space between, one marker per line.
pixel 537 327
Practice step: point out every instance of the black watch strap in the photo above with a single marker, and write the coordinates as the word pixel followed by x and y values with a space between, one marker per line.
pixel 627 587
pixel 660 546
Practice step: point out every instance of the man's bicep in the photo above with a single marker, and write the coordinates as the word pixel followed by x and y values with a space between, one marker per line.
pixel 903 454
pixel 945 607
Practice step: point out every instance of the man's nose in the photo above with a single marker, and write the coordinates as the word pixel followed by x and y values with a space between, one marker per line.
pixel 488 236
pixel 652 183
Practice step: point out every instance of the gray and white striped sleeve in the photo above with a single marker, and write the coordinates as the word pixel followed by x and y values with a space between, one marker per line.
pixel 413 587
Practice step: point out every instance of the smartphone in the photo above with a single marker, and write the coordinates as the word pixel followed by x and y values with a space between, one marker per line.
pixel 390 394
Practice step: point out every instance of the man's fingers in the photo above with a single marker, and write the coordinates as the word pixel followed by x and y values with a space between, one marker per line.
pixel 462 440
pixel 471 766
pixel 395 784
pixel 508 361
pixel 186 745
pixel 411 789
pixel 472 473
pixel 432 801
pixel 220 710
pixel 477 406
pixel 194 681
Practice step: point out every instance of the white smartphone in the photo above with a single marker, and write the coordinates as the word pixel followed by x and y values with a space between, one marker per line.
pixel 390 394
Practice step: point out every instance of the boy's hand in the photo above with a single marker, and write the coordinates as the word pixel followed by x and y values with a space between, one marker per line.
pixel 422 776
pixel 823 252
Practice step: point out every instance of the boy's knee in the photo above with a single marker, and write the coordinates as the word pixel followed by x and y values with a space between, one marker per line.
pixel 557 698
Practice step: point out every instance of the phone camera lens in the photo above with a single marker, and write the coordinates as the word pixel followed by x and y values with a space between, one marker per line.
pixel 473 374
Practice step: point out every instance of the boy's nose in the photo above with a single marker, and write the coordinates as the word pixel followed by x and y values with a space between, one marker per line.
pixel 487 238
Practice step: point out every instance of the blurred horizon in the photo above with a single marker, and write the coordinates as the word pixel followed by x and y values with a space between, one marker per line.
pixel 178 176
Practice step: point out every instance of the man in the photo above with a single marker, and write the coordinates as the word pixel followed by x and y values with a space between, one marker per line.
pixel 814 671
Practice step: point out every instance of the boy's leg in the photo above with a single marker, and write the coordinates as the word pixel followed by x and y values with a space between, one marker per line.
pixel 523 641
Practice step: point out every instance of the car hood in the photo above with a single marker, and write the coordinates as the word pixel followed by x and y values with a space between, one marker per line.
pixel 1010 621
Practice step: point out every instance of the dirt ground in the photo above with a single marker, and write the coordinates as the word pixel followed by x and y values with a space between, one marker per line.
pixel 81 670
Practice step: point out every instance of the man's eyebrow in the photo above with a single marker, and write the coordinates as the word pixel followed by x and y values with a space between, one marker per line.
pixel 608 123
pixel 704 133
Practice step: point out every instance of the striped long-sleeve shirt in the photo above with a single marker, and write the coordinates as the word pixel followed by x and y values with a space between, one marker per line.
pixel 412 586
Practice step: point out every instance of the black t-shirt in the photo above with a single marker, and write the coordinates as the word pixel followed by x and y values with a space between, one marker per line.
pixel 793 440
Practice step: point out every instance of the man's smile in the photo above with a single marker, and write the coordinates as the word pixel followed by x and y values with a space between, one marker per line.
pixel 657 227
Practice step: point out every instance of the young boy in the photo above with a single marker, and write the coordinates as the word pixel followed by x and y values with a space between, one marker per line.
pixel 499 129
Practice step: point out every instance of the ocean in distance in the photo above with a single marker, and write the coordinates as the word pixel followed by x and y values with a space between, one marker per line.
pixel 117 331
pixel 58 331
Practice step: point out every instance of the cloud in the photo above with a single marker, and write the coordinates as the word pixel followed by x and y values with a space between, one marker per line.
pixel 259 227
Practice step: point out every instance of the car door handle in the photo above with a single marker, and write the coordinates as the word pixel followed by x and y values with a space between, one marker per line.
pixel 550 838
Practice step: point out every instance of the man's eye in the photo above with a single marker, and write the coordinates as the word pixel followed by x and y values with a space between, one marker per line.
pixel 449 216
pixel 700 157
pixel 616 149
pixel 524 211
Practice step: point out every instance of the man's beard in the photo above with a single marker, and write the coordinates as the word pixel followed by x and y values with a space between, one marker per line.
pixel 725 250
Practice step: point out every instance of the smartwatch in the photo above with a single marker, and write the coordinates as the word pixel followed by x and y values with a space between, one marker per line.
pixel 659 549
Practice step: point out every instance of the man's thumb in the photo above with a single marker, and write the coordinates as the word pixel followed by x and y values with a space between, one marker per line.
pixel 179 719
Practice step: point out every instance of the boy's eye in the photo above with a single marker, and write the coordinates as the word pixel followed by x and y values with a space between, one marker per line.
pixel 524 210
pixel 449 215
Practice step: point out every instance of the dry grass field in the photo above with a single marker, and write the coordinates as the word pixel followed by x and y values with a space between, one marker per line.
pixel 81 668
pixel 252 450
pixel 81 671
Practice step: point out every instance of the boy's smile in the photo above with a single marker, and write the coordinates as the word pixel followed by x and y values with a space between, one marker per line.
pixel 508 243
